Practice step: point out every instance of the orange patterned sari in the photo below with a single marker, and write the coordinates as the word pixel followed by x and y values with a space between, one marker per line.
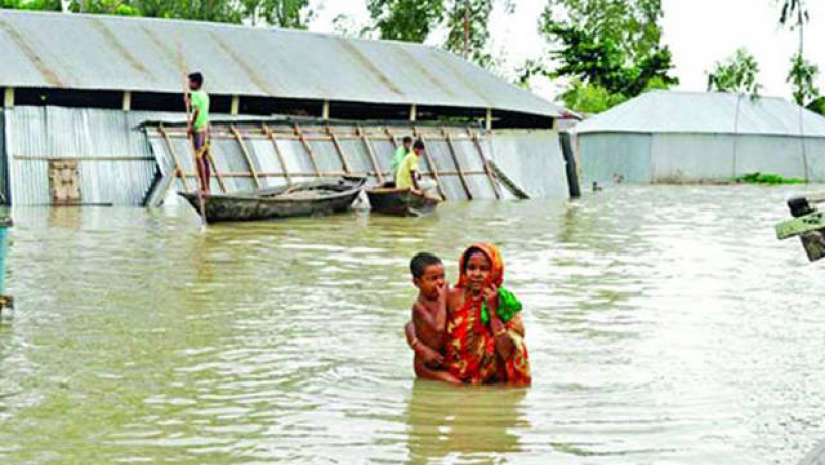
pixel 471 349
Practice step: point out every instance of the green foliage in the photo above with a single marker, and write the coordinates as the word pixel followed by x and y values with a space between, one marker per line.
pixel 766 178
pixel 794 12
pixel 738 74
pixel 282 13
pixel 610 46
pixel 817 106
pixel 590 98
pixel 35 5
pixel 802 77
pixel 406 20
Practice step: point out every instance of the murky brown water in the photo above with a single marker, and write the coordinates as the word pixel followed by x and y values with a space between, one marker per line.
pixel 666 325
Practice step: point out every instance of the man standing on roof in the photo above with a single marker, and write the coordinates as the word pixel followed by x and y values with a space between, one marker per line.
pixel 198 128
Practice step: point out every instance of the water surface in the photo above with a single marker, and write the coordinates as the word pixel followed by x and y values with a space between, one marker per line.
pixel 665 324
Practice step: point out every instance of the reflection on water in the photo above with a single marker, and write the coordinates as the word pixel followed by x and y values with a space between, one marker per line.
pixel 665 325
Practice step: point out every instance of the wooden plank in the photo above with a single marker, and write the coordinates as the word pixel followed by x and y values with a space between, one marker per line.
pixel 265 174
pixel 211 161
pixel 278 153
pixel 480 150
pixel 391 136
pixel 370 150
pixel 246 156
pixel 308 149
pixel 178 167
pixel 433 168
pixel 338 150
pixel 457 165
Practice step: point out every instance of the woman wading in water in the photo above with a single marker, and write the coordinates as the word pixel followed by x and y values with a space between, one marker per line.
pixel 484 333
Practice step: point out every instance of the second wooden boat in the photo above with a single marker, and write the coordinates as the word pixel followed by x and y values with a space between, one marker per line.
pixel 400 202
pixel 317 198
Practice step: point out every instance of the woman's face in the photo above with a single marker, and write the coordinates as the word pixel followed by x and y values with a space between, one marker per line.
pixel 478 271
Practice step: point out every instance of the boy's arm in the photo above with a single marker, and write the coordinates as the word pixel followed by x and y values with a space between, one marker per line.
pixel 422 371
pixel 421 350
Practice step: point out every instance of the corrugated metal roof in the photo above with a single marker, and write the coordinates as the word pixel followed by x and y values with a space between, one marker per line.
pixel 139 54
pixel 715 113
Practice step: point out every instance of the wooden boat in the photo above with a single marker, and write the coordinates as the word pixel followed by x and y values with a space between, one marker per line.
pixel 317 198
pixel 400 202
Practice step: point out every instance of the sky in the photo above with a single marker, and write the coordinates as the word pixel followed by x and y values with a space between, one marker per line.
pixel 698 32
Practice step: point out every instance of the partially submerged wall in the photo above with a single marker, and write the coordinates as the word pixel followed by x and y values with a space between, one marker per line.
pixel 609 158
pixel 121 161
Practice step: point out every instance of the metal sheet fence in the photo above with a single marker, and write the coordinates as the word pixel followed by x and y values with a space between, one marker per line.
pixel 249 155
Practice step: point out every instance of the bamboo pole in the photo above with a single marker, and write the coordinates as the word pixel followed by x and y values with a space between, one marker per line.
pixel 308 148
pixel 457 165
pixel 480 150
pixel 278 153
pixel 368 144
pixel 433 168
pixel 178 167
pixel 246 156
pixel 338 150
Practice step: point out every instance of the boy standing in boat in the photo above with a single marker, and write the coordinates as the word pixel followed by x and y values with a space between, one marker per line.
pixel 408 176
pixel 198 128
pixel 400 154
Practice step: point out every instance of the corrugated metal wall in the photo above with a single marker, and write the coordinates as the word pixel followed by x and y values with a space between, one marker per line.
pixel 115 164
pixel 678 158
pixel 533 160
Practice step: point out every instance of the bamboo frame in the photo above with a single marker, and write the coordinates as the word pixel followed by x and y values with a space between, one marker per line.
pixel 178 167
pixel 496 189
pixel 308 149
pixel 457 165
pixel 326 173
pixel 371 152
pixel 246 156
pixel 278 153
pixel 433 168
pixel 338 150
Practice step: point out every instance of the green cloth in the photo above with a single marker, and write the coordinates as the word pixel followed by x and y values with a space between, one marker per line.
pixel 508 306
pixel 400 153
pixel 200 102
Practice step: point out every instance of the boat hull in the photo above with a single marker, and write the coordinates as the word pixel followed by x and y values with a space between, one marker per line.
pixel 404 202
pixel 318 198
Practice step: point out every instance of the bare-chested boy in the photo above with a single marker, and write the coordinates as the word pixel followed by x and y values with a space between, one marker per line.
pixel 427 331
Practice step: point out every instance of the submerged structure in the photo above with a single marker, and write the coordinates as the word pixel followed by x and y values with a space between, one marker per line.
pixel 683 137
pixel 92 111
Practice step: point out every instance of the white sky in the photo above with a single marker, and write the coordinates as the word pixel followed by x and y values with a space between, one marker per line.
pixel 699 32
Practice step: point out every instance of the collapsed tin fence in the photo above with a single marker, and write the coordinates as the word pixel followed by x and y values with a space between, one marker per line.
pixel 254 155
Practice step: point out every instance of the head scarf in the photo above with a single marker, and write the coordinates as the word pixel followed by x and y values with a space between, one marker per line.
pixel 496 262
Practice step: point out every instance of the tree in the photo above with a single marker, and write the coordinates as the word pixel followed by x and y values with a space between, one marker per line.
pixel 468 31
pixel 36 5
pixel 802 78
pixel 795 14
pixel 293 14
pixel 406 20
pixel 739 73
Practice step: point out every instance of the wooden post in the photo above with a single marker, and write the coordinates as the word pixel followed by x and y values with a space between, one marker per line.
pixel 325 110
pixel 488 120
pixel 235 108
pixel 340 152
pixel 8 98
pixel 391 136
pixel 178 168
pixel 278 154
pixel 413 112
pixel 127 101
pixel 486 165
pixel 368 144
pixel 457 165
pixel 433 169
pixel 246 156
pixel 308 148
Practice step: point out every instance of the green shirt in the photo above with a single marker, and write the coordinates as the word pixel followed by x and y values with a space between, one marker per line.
pixel 403 177
pixel 400 153
pixel 200 102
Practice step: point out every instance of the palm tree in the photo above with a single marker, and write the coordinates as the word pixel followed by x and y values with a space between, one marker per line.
pixel 795 13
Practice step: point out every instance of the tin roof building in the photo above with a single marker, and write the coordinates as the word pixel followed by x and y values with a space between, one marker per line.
pixel 79 88
pixel 675 137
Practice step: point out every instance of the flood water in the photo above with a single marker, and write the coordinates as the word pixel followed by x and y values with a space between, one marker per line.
pixel 665 324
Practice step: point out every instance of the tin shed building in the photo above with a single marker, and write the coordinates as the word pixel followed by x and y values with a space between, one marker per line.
pixel 683 137
pixel 92 106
